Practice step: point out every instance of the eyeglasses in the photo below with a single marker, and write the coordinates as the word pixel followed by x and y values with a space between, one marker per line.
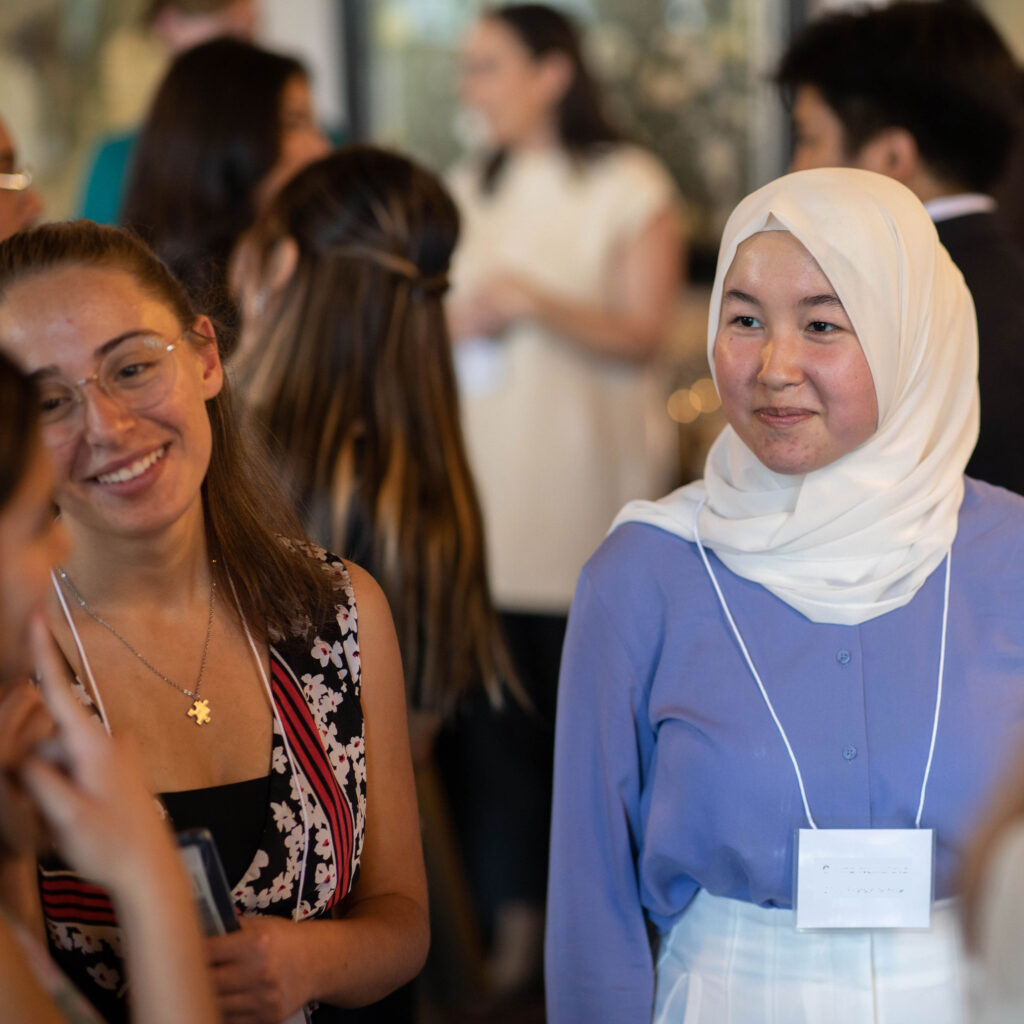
pixel 138 374
pixel 16 182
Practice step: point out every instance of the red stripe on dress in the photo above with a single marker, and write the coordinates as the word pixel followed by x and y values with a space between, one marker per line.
pixel 310 754
pixel 64 883
pixel 97 906
pixel 305 740
pixel 63 895
pixel 309 747
pixel 61 913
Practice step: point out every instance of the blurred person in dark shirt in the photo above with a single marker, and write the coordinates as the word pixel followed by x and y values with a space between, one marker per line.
pixel 929 94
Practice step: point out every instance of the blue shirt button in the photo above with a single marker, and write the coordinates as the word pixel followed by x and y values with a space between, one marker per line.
pixel 843 656
pixel 849 753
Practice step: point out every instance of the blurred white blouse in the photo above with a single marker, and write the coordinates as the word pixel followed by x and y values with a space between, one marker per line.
pixel 559 438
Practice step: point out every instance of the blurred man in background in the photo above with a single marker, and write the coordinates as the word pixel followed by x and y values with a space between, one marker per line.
pixel 929 94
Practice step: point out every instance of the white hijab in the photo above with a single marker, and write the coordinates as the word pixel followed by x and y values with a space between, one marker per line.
pixel 858 537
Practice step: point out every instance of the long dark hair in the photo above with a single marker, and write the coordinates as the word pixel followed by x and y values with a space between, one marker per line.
pixel 19 424
pixel 583 125
pixel 245 513
pixel 351 375
pixel 212 134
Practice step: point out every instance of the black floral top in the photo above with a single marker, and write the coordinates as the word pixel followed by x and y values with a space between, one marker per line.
pixel 315 688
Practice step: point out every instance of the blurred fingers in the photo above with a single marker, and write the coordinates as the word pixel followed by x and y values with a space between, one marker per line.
pixel 79 731
pixel 60 804
pixel 54 793
pixel 21 828
pixel 24 722
pixel 54 679
pixel 233 979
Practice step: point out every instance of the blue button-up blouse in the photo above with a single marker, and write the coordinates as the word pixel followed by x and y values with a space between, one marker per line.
pixel 670 775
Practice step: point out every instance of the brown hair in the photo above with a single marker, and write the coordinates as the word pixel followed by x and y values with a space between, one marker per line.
pixel 211 136
pixel 584 128
pixel 245 513
pixel 352 376
pixel 19 422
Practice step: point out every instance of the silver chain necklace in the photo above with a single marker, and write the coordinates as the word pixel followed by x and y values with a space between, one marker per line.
pixel 200 710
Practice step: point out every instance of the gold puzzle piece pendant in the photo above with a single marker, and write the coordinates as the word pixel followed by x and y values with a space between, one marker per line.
pixel 200 711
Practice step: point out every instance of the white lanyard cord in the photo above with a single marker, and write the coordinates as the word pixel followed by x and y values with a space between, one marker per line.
pixel 938 694
pixel 767 699
pixel 87 668
pixel 750 664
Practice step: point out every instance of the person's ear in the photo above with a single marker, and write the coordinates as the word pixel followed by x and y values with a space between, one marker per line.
pixel 556 75
pixel 253 282
pixel 209 356
pixel 893 152
pixel 281 264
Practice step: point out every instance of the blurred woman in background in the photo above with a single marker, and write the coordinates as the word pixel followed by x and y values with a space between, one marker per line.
pixel 349 375
pixel 230 124
pixel 564 287
pixel 133 61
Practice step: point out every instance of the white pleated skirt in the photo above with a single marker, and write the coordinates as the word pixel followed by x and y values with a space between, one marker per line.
pixel 730 962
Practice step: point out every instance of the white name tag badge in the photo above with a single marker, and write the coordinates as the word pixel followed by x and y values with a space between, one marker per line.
pixel 864 877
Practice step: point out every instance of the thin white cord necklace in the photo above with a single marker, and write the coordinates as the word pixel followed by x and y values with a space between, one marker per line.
pixel 200 709
pixel 771 708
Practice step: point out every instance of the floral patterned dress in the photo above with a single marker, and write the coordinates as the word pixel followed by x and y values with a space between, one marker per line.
pixel 315 687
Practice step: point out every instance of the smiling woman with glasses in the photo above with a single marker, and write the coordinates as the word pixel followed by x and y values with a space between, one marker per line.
pixel 259 675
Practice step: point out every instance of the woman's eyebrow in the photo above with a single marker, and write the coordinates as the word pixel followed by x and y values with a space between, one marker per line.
pixel 141 332
pixel 825 299
pixel 738 296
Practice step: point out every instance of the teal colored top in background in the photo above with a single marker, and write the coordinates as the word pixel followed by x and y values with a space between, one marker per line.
pixel 108 175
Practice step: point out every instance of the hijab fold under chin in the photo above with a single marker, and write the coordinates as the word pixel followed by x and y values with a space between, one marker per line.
pixel 858 537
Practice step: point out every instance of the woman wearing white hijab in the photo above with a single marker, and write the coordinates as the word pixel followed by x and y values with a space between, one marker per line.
pixel 800 675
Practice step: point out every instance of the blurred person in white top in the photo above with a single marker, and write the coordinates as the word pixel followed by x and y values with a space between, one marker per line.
pixel 571 261
pixel 564 286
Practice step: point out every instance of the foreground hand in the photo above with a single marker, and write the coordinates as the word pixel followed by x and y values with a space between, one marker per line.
pixel 257 972
pixel 24 722
pixel 102 817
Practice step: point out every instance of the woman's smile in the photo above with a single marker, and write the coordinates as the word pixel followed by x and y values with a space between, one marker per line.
pixel 782 417
pixel 131 470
